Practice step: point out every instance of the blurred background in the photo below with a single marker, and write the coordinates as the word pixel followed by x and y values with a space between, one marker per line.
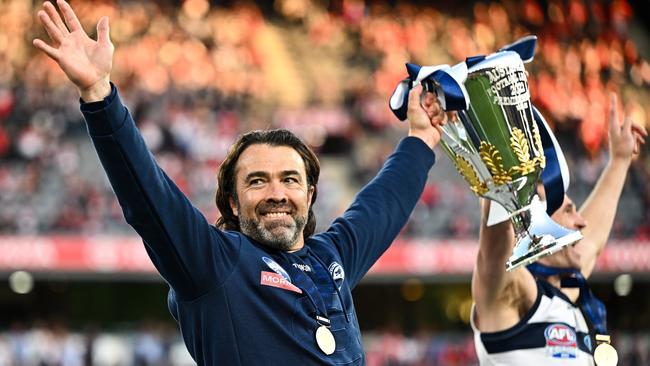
pixel 76 287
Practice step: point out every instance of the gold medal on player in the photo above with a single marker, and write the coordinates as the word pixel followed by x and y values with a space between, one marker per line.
pixel 325 340
pixel 605 354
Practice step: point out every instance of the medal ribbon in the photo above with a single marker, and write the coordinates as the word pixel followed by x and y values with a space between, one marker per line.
pixel 593 308
pixel 305 283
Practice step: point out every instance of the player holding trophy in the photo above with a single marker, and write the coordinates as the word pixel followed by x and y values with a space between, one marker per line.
pixel 536 309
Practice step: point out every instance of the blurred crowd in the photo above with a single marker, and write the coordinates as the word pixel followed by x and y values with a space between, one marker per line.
pixel 157 344
pixel 195 74
pixel 53 344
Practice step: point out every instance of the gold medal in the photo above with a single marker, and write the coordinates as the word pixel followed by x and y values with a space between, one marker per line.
pixel 605 354
pixel 325 340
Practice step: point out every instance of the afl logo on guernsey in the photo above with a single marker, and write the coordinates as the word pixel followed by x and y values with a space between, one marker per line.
pixel 560 341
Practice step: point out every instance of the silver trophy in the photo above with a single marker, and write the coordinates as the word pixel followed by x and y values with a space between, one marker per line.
pixel 497 148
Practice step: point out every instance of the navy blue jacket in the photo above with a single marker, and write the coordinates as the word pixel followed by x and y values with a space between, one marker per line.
pixel 222 290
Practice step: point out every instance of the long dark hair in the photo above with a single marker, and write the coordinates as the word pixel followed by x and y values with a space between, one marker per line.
pixel 226 179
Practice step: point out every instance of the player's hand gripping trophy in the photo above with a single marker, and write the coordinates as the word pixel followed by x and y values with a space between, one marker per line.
pixel 497 142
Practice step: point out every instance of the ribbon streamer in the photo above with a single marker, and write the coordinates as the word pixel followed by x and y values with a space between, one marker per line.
pixel 447 81
pixel 555 175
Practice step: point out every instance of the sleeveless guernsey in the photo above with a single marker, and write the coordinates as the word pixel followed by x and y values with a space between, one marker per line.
pixel 553 332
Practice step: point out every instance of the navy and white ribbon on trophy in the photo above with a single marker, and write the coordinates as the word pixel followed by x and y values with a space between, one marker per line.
pixel 555 175
pixel 449 83
pixel 450 90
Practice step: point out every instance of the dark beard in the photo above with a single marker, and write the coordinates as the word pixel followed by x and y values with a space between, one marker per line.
pixel 256 230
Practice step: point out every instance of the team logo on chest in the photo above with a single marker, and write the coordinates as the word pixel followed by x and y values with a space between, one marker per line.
pixel 560 341
pixel 337 273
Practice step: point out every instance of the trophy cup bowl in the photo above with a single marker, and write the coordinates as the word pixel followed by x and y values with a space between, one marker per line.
pixel 496 146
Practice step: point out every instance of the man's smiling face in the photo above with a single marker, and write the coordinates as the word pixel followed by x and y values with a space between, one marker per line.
pixel 273 196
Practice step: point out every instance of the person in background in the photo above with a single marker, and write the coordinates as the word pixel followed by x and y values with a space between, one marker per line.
pixel 545 314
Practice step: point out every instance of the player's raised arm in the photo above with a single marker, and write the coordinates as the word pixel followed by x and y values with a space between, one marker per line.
pixel 382 208
pixel 499 296
pixel 86 62
pixel 175 233
pixel 600 207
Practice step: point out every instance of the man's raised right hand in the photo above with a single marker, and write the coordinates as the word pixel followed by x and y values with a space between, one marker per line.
pixel 86 62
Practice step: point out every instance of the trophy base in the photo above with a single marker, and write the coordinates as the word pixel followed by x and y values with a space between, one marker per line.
pixel 544 246
pixel 543 237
